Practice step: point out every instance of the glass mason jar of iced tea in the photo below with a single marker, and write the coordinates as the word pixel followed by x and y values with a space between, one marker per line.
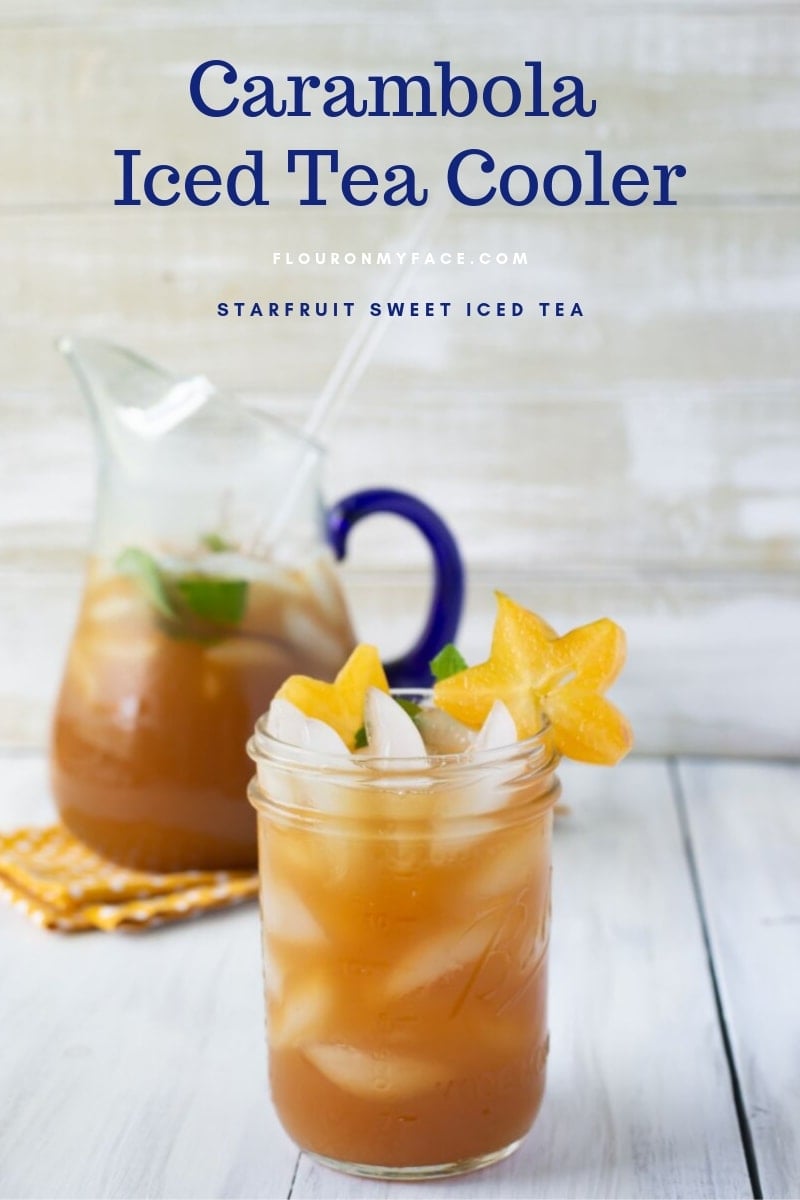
pixel 406 914
pixel 211 579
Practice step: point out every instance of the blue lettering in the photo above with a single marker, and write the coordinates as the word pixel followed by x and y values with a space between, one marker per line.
pixel 403 192
pixel 562 108
pixel 549 189
pixel 256 173
pixel 665 172
pixel 515 96
pixel 505 184
pixel 448 82
pixel 350 180
pixel 195 85
pixel 172 176
pixel 619 182
pixel 127 157
pixel 454 184
pixel 194 181
pixel 312 195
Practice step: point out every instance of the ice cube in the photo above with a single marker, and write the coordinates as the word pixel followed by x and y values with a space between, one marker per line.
pixel 285 916
pixel 372 1077
pixel 230 564
pixel 285 721
pixel 277 583
pixel 107 666
pixel 262 615
pixel 272 970
pixel 321 647
pixel 288 724
pixel 487 793
pixel 276 783
pixel 442 733
pixel 129 648
pixel 323 739
pixel 391 732
pixel 430 960
pixel 509 864
pixel 236 653
pixel 322 582
pixel 497 731
pixel 115 600
pixel 300 1014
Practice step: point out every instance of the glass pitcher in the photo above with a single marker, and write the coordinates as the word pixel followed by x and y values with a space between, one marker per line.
pixel 211 579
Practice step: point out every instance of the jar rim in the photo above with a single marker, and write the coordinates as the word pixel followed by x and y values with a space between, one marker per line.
pixel 537 751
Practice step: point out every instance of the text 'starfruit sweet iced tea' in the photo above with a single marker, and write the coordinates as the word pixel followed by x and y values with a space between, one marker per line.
pixel 405 888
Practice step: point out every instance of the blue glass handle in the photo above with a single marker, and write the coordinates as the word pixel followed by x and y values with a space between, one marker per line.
pixel 440 627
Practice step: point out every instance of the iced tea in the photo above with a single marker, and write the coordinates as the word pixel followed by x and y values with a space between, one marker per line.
pixel 406 912
pixel 148 761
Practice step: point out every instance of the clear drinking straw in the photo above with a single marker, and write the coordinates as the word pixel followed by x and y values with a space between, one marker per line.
pixel 347 371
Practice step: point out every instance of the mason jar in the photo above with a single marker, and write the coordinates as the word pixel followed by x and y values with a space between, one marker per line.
pixel 405 911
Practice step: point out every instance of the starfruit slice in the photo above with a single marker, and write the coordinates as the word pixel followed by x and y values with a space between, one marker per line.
pixel 538 674
pixel 339 704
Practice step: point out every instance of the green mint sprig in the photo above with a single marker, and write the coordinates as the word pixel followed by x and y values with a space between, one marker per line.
pixel 216 543
pixel 221 601
pixel 449 661
pixel 360 741
pixel 143 568
pixel 193 605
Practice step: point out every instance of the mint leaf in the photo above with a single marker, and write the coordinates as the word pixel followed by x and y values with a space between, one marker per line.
pixel 190 604
pixel 216 543
pixel 447 662
pixel 222 601
pixel 142 567
pixel 360 740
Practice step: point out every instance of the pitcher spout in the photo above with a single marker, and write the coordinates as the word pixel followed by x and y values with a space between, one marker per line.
pixel 126 392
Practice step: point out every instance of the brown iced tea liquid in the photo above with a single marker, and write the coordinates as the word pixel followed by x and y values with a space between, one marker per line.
pixel 406 989
pixel 148 754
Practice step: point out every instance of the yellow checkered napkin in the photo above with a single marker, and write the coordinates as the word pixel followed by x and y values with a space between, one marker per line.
pixel 61 884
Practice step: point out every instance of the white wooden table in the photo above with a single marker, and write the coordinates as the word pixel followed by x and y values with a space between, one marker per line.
pixel 134 1065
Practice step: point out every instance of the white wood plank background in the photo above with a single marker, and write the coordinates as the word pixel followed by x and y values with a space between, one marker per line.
pixel 744 823
pixel 646 457
pixel 147 1051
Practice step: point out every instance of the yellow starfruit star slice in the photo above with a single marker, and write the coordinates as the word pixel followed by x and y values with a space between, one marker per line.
pixel 339 704
pixel 523 662
pixel 596 650
pixel 536 673
pixel 586 726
